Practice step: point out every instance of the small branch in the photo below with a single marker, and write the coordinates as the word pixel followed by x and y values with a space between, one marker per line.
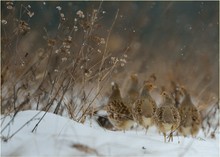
pixel 106 46
pixel 59 103
pixel 47 109
pixel 90 104
pixel 24 125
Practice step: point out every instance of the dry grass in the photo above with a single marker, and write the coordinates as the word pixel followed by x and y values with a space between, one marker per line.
pixel 67 70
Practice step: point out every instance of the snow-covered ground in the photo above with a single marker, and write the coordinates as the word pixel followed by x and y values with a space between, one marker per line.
pixel 60 136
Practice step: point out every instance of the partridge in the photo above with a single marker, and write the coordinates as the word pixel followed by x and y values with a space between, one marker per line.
pixel 133 91
pixel 119 113
pixel 145 107
pixel 190 117
pixel 176 93
pixel 166 117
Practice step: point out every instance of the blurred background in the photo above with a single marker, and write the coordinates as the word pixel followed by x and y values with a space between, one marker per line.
pixel 177 41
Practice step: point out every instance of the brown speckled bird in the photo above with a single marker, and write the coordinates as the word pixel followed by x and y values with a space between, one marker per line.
pixel 190 116
pixel 145 107
pixel 166 117
pixel 119 113
pixel 133 91
pixel 177 94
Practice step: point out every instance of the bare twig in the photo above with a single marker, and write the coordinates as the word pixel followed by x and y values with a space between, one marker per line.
pixel 47 109
pixel 59 103
pixel 105 50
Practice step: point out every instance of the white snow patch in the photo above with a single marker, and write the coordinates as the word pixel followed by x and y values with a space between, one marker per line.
pixel 55 136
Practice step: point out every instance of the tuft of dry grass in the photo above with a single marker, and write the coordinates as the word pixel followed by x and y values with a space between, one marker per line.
pixel 66 74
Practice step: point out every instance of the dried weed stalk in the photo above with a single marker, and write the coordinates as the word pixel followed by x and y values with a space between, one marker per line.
pixel 56 75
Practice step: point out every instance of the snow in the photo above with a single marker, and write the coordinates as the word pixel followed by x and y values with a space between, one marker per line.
pixel 56 135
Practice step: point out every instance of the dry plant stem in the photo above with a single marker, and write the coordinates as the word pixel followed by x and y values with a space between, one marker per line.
pixel 208 117
pixel 53 85
pixel 16 51
pixel 21 126
pixel 15 97
pixel 84 103
pixel 210 110
pixel 38 101
pixel 71 110
pixel 8 124
pixel 90 104
pixel 105 50
pixel 17 39
pixel 98 62
pixel 26 101
pixel 22 76
pixel 99 91
pixel 15 113
pixel 22 6
pixel 47 108
pixel 3 118
pixel 109 71
pixel 61 99
pixel 86 37
pixel 217 126
pixel 50 104
pixel 24 125
pixel 93 20
pixel 47 65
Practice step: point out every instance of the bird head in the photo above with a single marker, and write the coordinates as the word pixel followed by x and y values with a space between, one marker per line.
pixel 152 78
pixel 164 94
pixel 167 98
pixel 115 91
pixel 114 86
pixel 180 92
pixel 149 85
pixel 134 77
